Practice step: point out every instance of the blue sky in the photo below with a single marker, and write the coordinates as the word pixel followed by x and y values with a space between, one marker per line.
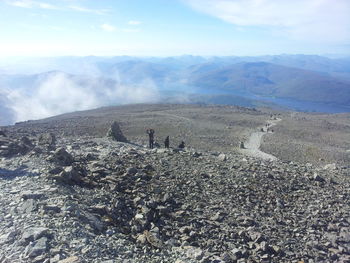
pixel 173 27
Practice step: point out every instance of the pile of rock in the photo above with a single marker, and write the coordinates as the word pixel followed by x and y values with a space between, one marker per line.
pixel 115 133
pixel 103 201
pixel 47 140
pixel 11 147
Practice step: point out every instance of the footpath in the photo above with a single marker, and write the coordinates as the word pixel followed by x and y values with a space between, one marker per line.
pixel 252 145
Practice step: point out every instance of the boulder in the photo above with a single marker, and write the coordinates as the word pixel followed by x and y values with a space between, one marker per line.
pixel 115 133
pixel 26 141
pixel 331 166
pixel 62 157
pixel 131 171
pixel 8 238
pixel 70 175
pixel 36 248
pixel 3 134
pixel 15 148
pixel 318 178
pixel 222 157
pixel 33 233
pixel 48 140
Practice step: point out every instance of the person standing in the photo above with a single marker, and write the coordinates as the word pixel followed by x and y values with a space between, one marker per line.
pixel 150 133
pixel 182 145
pixel 166 142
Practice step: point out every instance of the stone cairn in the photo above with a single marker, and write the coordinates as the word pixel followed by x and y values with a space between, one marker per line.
pixel 115 133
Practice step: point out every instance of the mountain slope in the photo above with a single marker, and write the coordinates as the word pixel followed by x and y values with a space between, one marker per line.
pixel 268 79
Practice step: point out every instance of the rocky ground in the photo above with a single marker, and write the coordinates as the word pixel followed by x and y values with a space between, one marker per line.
pixel 93 199
pixel 316 138
pixel 203 127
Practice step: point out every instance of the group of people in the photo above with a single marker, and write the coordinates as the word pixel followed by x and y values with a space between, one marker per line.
pixel 150 133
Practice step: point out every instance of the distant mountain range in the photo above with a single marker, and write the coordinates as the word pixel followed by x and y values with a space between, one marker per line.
pixel 267 79
pixel 253 81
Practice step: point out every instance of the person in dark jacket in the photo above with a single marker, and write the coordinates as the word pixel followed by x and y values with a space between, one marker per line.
pixel 150 133
pixel 182 145
pixel 166 142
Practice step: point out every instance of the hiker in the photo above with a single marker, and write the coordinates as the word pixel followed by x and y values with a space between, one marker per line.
pixel 150 133
pixel 241 145
pixel 166 142
pixel 182 145
pixel 262 129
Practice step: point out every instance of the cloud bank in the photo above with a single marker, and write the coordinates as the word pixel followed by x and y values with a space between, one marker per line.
pixel 308 20
pixel 59 93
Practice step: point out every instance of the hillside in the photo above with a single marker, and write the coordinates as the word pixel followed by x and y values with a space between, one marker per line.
pixel 268 79
pixel 315 138
pixel 76 195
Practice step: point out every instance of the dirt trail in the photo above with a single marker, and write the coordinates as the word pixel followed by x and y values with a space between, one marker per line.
pixel 252 145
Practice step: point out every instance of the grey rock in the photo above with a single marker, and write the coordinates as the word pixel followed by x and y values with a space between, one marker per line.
pixel 51 208
pixel 33 233
pixel 36 248
pixel 236 253
pixel 56 170
pixel 318 178
pixel 115 133
pixel 26 141
pixel 48 140
pixel 92 220
pixel 28 206
pixel 8 238
pixel 195 253
pixel 3 133
pixel 32 195
pixel 331 166
pixel 62 157
pixel 222 157
pixel 14 148
pixel 131 171
pixel 71 259
pixel 71 175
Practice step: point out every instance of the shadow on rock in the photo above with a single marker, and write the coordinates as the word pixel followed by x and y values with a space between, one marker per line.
pixel 6 174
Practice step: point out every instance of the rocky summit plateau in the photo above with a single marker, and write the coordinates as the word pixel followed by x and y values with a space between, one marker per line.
pixel 85 187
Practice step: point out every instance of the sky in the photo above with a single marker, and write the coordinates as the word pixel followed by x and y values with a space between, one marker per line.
pixel 173 27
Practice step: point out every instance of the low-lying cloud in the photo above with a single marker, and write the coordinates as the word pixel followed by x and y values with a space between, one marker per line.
pixel 58 93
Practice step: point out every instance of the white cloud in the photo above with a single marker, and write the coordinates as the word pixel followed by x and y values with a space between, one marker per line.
pixel 59 93
pixel 312 20
pixel 31 4
pixel 24 4
pixel 134 22
pixel 130 30
pixel 88 10
pixel 108 28
pixel 46 6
